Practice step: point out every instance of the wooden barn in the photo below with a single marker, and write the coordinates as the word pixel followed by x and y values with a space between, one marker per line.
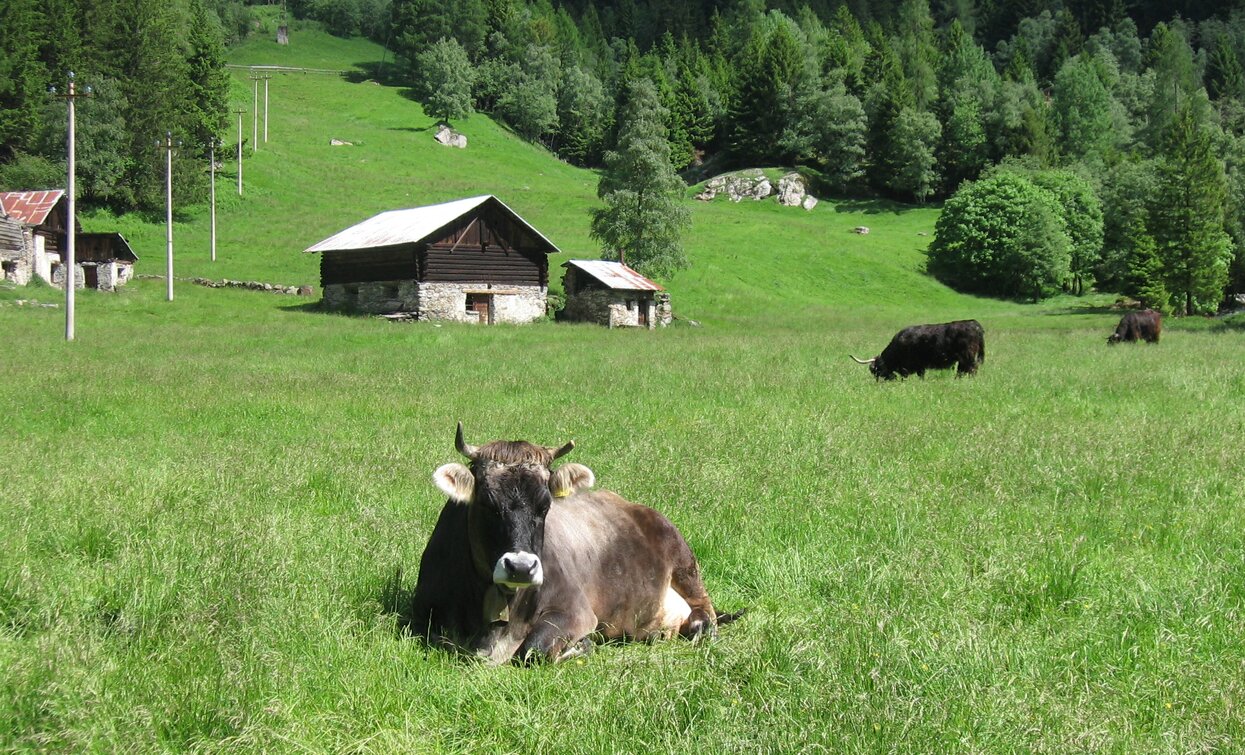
pixel 470 260
pixel 612 294
pixel 37 219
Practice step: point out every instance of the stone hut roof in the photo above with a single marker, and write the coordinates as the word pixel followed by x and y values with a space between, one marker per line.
pixel 30 207
pixel 614 275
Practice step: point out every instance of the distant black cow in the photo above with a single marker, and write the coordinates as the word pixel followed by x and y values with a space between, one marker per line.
pixel 1145 325
pixel 914 350
pixel 525 561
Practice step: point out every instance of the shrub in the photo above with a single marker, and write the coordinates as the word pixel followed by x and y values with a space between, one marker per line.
pixel 1002 236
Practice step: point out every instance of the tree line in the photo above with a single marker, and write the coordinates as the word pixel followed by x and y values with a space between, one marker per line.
pixel 906 99
pixel 153 66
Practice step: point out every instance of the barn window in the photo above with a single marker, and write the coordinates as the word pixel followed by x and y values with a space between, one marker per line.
pixel 8 266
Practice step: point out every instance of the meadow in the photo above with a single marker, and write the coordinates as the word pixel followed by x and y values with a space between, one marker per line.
pixel 214 508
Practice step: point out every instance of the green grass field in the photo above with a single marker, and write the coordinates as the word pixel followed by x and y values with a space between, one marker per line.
pixel 213 508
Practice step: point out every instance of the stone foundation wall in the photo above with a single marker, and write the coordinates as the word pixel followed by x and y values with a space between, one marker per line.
pixel 665 314
pixel 17 267
pixel 610 308
pixel 448 301
pixel 437 301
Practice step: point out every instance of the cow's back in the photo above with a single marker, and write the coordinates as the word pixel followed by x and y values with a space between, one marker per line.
pixel 621 555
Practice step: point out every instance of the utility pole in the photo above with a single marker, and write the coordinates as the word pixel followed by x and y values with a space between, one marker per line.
pixel 213 143
pixel 240 112
pixel 266 78
pixel 255 118
pixel 71 263
pixel 168 148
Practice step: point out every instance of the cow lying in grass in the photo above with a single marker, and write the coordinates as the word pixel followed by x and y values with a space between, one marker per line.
pixel 526 562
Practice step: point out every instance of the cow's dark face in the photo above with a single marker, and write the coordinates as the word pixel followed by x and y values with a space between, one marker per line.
pixel 509 488
pixel 880 370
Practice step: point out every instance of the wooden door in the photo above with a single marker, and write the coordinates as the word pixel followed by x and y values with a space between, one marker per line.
pixel 482 306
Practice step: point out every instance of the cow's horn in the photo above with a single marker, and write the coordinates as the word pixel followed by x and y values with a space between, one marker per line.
pixel 461 445
pixel 563 451
pixel 863 361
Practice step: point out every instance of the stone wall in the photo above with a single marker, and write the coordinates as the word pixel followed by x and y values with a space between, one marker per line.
pixel 665 314
pixel 17 266
pixel 448 301
pixel 437 301
pixel 616 309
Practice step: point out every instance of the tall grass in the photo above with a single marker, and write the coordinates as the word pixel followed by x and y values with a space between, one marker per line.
pixel 213 507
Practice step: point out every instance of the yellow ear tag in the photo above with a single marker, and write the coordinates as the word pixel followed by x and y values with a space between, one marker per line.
pixel 562 492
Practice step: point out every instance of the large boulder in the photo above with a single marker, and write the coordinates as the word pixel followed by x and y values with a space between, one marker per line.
pixel 450 138
pixel 791 190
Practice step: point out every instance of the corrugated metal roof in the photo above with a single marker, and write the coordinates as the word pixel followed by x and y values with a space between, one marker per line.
pixel 614 275
pixel 410 226
pixel 30 207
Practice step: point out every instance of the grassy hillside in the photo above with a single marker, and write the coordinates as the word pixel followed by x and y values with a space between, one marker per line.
pixel 747 260
pixel 214 508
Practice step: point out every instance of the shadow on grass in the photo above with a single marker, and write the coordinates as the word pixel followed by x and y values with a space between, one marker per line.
pixel 1085 309
pixel 876 206
pixel 395 601
pixel 384 73
pixel 413 129
pixel 1233 323
pixel 317 308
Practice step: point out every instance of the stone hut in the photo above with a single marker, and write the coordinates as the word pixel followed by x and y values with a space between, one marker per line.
pixel 471 260
pixel 612 294
pixel 33 242
pixel 42 216
pixel 105 259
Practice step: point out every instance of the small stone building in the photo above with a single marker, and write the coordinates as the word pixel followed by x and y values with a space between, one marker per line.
pixel 42 216
pixel 33 243
pixel 612 294
pixel 471 260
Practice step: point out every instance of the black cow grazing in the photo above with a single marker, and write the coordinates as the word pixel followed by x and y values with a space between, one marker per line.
pixel 1145 325
pixel 526 562
pixel 919 348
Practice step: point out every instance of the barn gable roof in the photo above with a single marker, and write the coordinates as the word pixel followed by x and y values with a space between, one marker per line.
pixel 414 225
pixel 614 275
pixel 30 207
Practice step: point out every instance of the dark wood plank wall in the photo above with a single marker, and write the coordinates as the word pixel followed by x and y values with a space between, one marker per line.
pixel 388 263
pixel 492 249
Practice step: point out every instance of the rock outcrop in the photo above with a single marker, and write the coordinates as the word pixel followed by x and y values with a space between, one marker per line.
pixel 450 138
pixel 753 184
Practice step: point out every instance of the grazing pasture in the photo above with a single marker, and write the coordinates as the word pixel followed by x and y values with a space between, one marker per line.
pixel 208 535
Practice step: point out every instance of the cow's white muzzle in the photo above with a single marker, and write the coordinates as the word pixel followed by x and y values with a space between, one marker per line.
pixel 518 570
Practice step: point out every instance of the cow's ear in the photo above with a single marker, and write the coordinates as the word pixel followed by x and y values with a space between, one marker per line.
pixel 456 481
pixel 570 478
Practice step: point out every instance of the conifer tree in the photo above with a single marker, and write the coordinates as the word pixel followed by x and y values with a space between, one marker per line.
pixel 643 220
pixel 22 75
pixel 1187 215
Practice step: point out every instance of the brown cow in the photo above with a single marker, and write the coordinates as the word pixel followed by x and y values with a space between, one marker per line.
pixel 1145 325
pixel 526 562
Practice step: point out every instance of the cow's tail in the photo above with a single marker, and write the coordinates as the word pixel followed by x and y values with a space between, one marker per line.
pixel 726 618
